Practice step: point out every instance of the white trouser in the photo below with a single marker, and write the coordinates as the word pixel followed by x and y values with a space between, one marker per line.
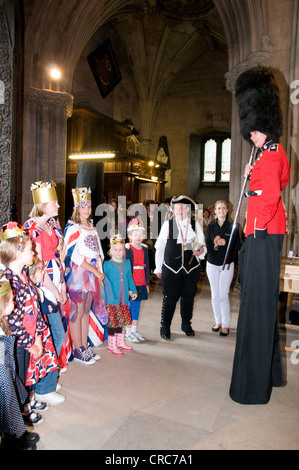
pixel 220 281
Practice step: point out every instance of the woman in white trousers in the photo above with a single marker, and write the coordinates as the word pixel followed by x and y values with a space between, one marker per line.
pixel 217 236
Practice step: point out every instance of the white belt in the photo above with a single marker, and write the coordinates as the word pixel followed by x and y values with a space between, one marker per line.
pixel 256 192
pixel 138 267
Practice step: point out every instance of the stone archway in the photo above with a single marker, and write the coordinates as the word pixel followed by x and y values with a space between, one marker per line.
pixel 60 31
pixel 47 103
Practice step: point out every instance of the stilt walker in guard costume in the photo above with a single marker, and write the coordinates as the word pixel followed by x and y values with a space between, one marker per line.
pixel 257 361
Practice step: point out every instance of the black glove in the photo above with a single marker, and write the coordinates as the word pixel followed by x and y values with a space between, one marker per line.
pixel 260 234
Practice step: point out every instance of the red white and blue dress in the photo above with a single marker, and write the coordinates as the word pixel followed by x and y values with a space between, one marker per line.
pixel 84 244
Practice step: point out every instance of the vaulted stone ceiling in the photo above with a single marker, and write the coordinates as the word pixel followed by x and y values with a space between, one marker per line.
pixel 170 35
pixel 173 33
pixel 161 38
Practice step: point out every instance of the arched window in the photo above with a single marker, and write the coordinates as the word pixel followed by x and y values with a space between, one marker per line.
pixel 215 159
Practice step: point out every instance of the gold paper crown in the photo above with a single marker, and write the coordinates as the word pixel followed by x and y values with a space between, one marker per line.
pixel 82 197
pixel 11 230
pixel 117 239
pixel 43 192
pixel 5 288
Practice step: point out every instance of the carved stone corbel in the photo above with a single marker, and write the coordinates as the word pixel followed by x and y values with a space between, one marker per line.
pixel 253 60
pixel 50 98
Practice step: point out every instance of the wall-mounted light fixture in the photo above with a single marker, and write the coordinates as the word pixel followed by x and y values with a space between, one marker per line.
pixel 55 73
pixel 91 155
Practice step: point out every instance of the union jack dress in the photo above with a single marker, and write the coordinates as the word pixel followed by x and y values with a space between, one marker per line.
pixel 51 261
pixel 79 245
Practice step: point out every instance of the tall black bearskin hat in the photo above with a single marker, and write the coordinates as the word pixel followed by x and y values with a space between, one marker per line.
pixel 258 102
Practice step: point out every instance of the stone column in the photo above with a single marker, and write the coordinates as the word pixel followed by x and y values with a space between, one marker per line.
pixel 44 142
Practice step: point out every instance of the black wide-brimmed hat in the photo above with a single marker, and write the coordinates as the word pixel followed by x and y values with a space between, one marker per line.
pixel 258 101
pixel 183 200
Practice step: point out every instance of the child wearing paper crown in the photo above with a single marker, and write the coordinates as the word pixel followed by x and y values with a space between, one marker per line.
pixel 12 391
pixel 25 322
pixel 42 373
pixel 119 286
pixel 84 278
pixel 137 253
pixel 45 240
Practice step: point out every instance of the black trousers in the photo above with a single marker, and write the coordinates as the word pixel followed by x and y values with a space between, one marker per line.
pixel 257 361
pixel 181 286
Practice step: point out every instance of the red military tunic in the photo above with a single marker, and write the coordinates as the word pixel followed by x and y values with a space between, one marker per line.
pixel 270 174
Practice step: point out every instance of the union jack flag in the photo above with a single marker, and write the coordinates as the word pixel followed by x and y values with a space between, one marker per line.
pixel 96 331
pixel 32 228
pixel 71 236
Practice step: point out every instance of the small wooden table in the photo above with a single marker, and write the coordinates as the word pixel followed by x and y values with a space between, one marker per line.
pixel 289 283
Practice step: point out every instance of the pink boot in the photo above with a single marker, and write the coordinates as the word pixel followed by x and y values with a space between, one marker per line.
pixel 121 342
pixel 112 346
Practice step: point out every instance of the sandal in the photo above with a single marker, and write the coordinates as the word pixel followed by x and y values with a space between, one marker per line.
pixel 38 405
pixel 33 419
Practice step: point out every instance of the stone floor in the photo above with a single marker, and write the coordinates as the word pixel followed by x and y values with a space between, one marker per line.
pixel 170 395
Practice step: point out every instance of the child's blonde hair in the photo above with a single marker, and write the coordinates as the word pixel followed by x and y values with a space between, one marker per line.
pixel 10 247
pixel 37 210
pixel 116 240
pixel 35 266
pixel 136 230
pixel 4 299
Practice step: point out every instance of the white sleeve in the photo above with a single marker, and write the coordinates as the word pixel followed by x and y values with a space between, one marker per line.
pixel 160 246
pixel 201 239
pixel 76 257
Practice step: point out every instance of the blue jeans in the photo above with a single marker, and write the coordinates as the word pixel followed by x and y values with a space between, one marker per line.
pixel 135 308
pixel 48 383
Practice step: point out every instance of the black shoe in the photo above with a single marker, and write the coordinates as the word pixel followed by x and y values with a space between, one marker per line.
pixel 224 334
pixel 189 332
pixel 165 333
pixel 14 443
pixel 30 436
pixel 216 329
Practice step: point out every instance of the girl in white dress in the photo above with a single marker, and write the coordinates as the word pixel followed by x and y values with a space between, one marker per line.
pixel 84 274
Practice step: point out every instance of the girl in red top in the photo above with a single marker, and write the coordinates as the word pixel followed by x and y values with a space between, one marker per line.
pixel 137 253
pixel 45 240
pixel 25 322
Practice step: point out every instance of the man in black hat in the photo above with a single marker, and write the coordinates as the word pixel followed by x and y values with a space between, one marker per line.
pixel 257 364
pixel 179 248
